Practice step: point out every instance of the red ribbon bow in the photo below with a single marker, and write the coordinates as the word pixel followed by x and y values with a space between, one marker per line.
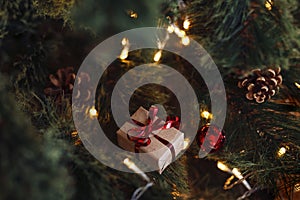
pixel 140 135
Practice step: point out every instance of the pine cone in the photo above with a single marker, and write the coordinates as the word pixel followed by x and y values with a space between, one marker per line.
pixel 261 85
pixel 61 83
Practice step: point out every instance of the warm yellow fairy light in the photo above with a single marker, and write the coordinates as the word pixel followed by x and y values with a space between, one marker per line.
pixel 134 168
pixel 125 50
pixel 186 24
pixel 124 54
pixel 235 172
pixel 128 163
pixel 268 4
pixel 206 115
pixel 281 152
pixel 223 167
pixel 179 33
pixel 170 29
pixel 93 112
pixel 238 174
pixel 176 29
pixel 134 15
pixel 74 134
pixel 297 85
pixel 157 56
pixel 185 40
pixel 124 41
pixel 186 143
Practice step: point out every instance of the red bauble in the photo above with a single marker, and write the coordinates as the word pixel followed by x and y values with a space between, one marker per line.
pixel 210 138
pixel 172 121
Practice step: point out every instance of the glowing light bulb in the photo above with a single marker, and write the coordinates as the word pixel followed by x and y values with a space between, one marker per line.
pixel 186 143
pixel 176 29
pixel 223 167
pixel 134 168
pixel 170 29
pixel 185 40
pixel 124 41
pixel 179 33
pixel 297 85
pixel 134 15
pixel 238 174
pixel 186 24
pixel 268 4
pixel 157 56
pixel 281 152
pixel 74 134
pixel 124 54
pixel 235 172
pixel 125 50
pixel 93 112
pixel 206 115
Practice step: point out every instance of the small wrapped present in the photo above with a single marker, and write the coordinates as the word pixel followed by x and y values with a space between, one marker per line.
pixel 157 142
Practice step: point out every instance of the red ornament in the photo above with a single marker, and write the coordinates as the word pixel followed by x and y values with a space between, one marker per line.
pixel 210 138
pixel 172 121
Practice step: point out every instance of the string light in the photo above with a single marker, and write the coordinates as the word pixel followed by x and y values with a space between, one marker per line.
pixel 185 40
pixel 297 85
pixel 178 32
pixel 124 41
pixel 124 54
pixel 268 4
pixel 223 167
pixel 235 172
pixel 157 56
pixel 170 29
pixel 281 151
pixel 132 14
pixel 206 115
pixel 74 134
pixel 238 174
pixel 93 112
pixel 134 168
pixel 125 50
pixel 186 24
pixel 141 190
pixel 186 143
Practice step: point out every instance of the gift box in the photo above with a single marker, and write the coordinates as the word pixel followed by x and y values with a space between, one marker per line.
pixel 164 145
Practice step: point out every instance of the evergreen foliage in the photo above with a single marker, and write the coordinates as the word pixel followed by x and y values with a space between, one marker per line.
pixel 29 168
pixel 37 37
pixel 246 34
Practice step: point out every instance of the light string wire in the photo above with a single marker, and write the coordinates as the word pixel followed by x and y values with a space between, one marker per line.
pixel 141 190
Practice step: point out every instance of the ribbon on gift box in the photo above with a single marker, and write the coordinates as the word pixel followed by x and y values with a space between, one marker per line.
pixel 141 135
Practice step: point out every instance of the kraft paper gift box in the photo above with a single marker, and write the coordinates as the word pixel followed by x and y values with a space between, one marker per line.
pixel 158 153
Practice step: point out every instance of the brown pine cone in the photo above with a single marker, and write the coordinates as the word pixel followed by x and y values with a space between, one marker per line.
pixel 61 83
pixel 261 85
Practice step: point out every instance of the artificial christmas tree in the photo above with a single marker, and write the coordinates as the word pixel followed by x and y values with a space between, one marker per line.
pixel 256 158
